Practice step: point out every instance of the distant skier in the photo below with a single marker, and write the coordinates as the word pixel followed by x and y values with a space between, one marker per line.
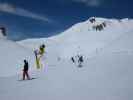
pixel 72 58
pixel 25 70
pixel 80 60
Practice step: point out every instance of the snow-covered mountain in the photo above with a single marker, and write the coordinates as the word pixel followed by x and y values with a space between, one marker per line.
pixel 106 45
pixel 84 38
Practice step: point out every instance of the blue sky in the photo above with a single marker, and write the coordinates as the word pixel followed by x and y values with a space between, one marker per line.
pixel 43 18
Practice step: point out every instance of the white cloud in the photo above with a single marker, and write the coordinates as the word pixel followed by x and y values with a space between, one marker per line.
pixel 8 8
pixel 91 3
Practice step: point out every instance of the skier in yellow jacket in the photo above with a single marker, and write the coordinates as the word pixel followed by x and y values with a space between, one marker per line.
pixel 38 54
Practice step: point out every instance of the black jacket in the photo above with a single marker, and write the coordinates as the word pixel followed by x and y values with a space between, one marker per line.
pixel 26 66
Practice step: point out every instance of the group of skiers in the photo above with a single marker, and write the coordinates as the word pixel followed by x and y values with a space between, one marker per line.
pixel 38 53
pixel 78 59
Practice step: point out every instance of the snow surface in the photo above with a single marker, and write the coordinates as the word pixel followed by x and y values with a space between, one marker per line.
pixel 106 73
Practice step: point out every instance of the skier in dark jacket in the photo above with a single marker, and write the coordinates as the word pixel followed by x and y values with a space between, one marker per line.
pixel 25 70
pixel 72 58
pixel 80 59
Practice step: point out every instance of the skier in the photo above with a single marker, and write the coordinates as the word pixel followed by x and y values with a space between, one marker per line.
pixel 39 54
pixel 80 60
pixel 72 59
pixel 25 70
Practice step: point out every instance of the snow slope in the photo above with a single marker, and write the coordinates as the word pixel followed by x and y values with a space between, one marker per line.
pixel 105 77
pixel 106 73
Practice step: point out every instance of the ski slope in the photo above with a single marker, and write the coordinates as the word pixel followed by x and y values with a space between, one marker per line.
pixel 106 73
pixel 105 77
